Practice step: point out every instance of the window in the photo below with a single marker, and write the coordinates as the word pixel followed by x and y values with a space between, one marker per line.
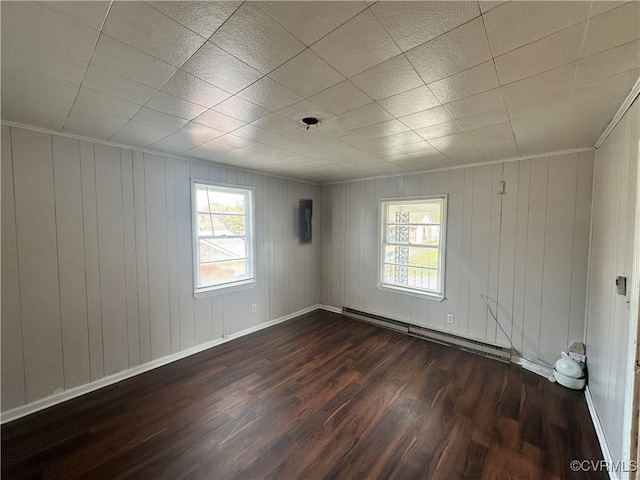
pixel 413 243
pixel 223 237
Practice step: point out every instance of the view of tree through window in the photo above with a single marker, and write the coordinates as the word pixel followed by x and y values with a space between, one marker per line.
pixel 223 244
pixel 412 244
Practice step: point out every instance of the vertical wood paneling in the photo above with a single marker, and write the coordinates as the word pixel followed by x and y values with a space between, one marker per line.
pixel 440 185
pixel 73 293
pixel 480 249
pixel 172 254
pixel 465 279
pixel 184 254
pixel 142 260
pixel 91 259
pixel 13 382
pixel 494 250
pixel 130 267
pixel 155 202
pixel 38 263
pixel 558 246
pixel 581 233
pixel 111 255
pixel 535 255
pixel 508 234
pixel 454 247
pixel 611 253
pixel 102 236
pixel 522 234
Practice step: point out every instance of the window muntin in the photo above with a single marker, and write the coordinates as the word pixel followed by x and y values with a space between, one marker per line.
pixel 412 250
pixel 223 236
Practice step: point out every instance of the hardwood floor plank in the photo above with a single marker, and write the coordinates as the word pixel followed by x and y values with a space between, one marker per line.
pixel 321 396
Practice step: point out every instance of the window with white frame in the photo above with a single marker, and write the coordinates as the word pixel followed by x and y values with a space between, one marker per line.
pixel 412 252
pixel 223 236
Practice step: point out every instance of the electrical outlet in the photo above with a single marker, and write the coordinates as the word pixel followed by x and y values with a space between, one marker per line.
pixel 450 318
pixel 254 308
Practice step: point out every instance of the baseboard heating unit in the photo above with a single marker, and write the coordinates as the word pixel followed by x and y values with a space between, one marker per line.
pixel 480 348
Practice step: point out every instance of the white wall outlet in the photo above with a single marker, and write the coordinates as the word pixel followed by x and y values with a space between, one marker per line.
pixel 449 317
pixel 254 308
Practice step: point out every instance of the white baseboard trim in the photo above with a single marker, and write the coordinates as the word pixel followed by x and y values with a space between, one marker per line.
pixel 329 308
pixel 604 445
pixel 61 397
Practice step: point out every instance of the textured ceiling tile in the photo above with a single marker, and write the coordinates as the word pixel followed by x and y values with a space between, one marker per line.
pixel 177 143
pixel 453 52
pixel 413 23
pixel 613 28
pixel 306 74
pixel 27 55
pixel 117 86
pixel 499 149
pixel 238 108
pixel 556 101
pixel 466 83
pixel 539 85
pixel 138 134
pixel 217 67
pixel 36 99
pixel 394 76
pixel 303 109
pixel 546 54
pixel 94 123
pixel 366 115
pixel 48 28
pixel 357 45
pixel 269 94
pixel 144 28
pixel 613 88
pixel 178 107
pixel 439 130
pixel 426 118
pixel 480 103
pixel 601 6
pixel 276 123
pixel 413 101
pixel 377 130
pixel 204 18
pixel 515 24
pixel 188 87
pixel 310 21
pixel 219 121
pixel 483 119
pixel 209 150
pixel 159 120
pixel 120 59
pixel 340 98
pixel 256 39
pixel 617 60
pixel 88 99
pixel 491 132
pixel 90 13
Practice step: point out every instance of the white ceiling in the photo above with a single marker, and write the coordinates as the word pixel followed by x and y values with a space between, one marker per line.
pixel 397 86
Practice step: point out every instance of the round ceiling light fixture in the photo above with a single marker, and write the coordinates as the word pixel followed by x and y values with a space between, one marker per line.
pixel 308 121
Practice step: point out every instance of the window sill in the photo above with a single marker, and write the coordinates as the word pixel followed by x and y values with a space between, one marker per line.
pixel 227 288
pixel 410 292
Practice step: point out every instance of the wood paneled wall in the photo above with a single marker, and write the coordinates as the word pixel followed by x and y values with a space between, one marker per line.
pixel 97 261
pixel 526 249
pixel 608 314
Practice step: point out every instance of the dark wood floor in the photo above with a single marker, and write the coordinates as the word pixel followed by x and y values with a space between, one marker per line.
pixel 322 396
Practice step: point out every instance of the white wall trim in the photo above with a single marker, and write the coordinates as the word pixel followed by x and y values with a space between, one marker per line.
pixel 81 138
pixel 635 91
pixel 604 445
pixel 468 165
pixel 329 308
pixel 61 397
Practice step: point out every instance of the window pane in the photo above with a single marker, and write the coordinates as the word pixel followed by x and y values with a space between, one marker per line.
pixel 228 225
pixel 411 277
pixel 425 212
pixel 411 256
pixel 223 272
pixel 202 202
pixel 213 250
pixel 226 202
pixel 416 235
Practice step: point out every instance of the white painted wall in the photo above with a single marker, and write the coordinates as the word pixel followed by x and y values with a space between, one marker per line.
pixel 608 314
pixel 97 261
pixel 527 249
